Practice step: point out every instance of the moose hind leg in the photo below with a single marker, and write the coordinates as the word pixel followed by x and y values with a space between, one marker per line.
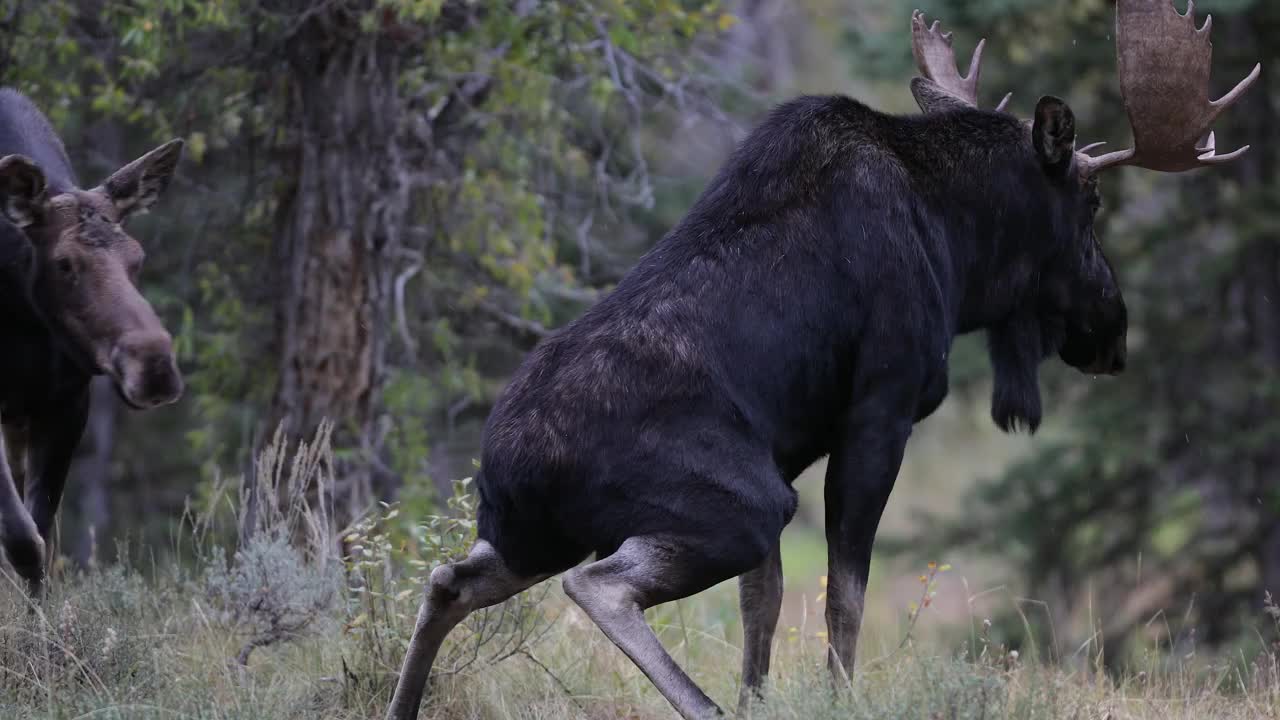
pixel 453 592
pixel 760 596
pixel 644 572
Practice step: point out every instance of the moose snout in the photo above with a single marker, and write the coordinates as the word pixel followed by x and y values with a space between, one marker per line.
pixel 1109 362
pixel 145 369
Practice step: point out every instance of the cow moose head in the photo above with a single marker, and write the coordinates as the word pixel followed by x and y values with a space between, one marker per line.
pixel 85 270
pixel 1164 62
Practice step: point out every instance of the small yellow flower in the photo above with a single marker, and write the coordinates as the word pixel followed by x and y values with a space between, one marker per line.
pixel 924 579
pixel 822 579
pixel 933 566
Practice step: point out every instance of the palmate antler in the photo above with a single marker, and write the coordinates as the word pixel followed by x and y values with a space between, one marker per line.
pixel 1164 62
pixel 936 59
pixel 1164 78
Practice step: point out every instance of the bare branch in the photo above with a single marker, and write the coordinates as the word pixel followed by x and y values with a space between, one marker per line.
pixel 524 329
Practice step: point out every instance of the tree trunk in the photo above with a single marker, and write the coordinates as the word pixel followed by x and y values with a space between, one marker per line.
pixel 338 230
pixel 91 473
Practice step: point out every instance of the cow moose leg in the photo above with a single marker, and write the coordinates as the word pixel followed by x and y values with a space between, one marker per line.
pixel 760 597
pixel 860 477
pixel 16 443
pixel 18 535
pixel 52 446
pixel 453 592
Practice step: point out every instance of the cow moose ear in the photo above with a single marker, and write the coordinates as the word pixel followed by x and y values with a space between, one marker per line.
pixel 22 186
pixel 1053 133
pixel 136 186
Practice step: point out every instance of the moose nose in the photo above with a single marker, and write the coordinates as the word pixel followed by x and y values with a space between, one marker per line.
pixel 1118 360
pixel 145 369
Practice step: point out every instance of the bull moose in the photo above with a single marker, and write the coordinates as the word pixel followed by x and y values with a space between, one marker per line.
pixel 805 307
pixel 69 310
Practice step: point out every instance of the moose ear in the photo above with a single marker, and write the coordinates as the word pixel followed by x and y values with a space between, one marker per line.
pixel 1053 133
pixel 22 187
pixel 932 98
pixel 136 186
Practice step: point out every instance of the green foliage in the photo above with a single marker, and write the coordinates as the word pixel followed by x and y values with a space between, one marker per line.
pixel 521 129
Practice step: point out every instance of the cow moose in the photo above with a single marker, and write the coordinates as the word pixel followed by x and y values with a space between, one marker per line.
pixel 69 310
pixel 805 307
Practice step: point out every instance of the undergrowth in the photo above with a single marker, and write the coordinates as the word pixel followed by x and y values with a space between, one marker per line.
pixel 287 616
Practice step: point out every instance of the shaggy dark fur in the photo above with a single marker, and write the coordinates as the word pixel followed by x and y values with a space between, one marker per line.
pixel 44 381
pixel 804 307
pixel 820 277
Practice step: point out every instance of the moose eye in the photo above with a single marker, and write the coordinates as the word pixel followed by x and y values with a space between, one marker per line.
pixel 66 268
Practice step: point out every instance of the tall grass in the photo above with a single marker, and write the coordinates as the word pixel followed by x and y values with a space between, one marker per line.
pixel 286 616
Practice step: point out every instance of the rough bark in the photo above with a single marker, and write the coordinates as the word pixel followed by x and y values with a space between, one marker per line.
pixel 338 229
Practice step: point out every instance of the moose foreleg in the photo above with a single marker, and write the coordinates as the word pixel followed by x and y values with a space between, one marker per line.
pixel 760 596
pixel 18 535
pixel 52 445
pixel 860 477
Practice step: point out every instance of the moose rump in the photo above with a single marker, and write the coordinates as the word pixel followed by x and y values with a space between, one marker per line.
pixel 608 434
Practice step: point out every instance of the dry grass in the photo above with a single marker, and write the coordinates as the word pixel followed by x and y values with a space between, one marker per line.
pixel 326 634
pixel 109 645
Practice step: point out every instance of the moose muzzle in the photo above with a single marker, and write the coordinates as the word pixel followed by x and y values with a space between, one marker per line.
pixel 145 370
pixel 1108 362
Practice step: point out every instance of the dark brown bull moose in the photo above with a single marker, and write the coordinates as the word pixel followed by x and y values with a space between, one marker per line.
pixel 805 307
pixel 69 309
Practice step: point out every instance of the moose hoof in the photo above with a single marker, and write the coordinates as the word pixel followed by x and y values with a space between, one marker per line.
pixel 27 556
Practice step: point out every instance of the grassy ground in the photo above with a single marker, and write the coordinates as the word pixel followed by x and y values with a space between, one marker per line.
pixel 110 645
pixel 273 625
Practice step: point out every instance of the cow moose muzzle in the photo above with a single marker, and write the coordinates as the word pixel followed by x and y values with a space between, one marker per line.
pixel 145 370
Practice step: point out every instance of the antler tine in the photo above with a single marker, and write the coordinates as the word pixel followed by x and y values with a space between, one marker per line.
pixel 936 59
pixel 1209 154
pixel 1226 101
pixel 1164 63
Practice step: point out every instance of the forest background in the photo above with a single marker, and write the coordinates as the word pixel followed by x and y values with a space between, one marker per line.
pixel 386 203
